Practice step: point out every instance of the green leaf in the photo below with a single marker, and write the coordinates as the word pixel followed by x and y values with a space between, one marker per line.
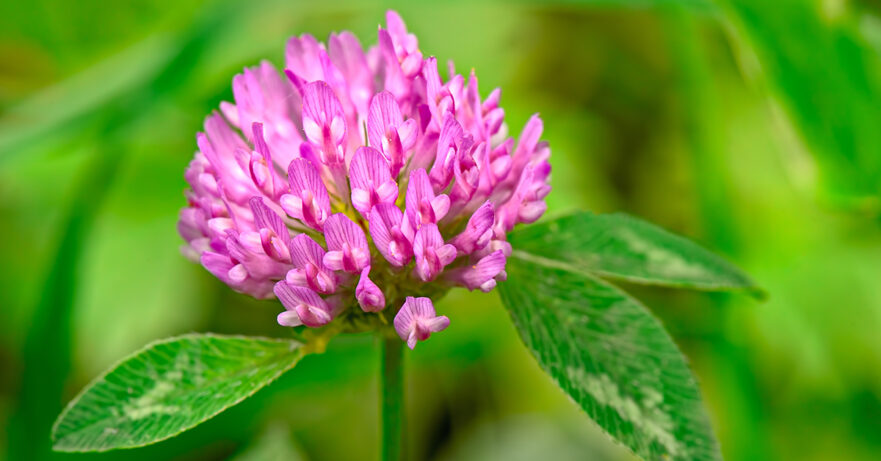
pixel 622 247
pixel 169 387
pixel 612 357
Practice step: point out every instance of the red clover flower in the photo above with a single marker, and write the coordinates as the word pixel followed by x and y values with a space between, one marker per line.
pixel 360 179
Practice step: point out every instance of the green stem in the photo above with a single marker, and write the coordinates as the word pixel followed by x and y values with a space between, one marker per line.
pixel 392 399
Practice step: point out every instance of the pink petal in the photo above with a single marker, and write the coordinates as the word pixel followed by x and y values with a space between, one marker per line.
pixel 308 201
pixel 431 254
pixel 323 118
pixel 289 319
pixel 346 53
pixel 266 218
pixel 478 231
pixel 368 294
pixel 304 250
pixel 385 229
pixel 486 269
pixel 333 260
pixel 387 191
pixel 394 78
pixel 361 200
pixel 301 57
pixel 309 307
pixel 339 230
pixel 446 254
pixel 440 205
pixel 369 175
pixel 368 169
pixel 408 131
pixel 416 320
pixel 347 244
pixel 384 115
pixel 303 176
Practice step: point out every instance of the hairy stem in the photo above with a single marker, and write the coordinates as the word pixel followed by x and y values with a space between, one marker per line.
pixel 392 399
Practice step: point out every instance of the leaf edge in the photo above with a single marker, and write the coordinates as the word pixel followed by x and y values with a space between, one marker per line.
pixel 751 289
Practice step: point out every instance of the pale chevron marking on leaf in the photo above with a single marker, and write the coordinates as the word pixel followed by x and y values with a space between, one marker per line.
pixel 147 404
pixel 659 259
pixel 646 414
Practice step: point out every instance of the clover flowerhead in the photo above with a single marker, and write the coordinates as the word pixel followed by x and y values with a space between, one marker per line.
pixel 359 184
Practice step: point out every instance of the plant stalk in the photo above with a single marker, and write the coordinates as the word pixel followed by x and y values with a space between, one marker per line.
pixel 392 389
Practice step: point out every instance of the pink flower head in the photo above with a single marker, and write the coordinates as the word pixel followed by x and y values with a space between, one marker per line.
pixel 416 321
pixel 357 177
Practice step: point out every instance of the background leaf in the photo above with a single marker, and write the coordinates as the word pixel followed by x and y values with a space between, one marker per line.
pixel 612 357
pixel 624 247
pixel 169 387
pixel 275 444
pixel 828 80
pixel 47 350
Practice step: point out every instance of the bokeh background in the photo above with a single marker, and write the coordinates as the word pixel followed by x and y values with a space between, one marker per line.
pixel 750 126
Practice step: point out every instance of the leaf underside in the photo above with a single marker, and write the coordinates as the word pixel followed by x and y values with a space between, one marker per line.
pixel 169 387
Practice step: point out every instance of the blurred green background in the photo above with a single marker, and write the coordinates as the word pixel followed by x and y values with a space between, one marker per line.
pixel 751 126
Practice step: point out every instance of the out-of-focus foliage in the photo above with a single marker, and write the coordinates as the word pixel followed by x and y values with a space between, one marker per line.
pixel 749 126
pixel 828 79
pixel 275 444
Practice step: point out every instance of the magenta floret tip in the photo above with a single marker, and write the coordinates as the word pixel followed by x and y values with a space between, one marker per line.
pixel 416 321
pixel 359 178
